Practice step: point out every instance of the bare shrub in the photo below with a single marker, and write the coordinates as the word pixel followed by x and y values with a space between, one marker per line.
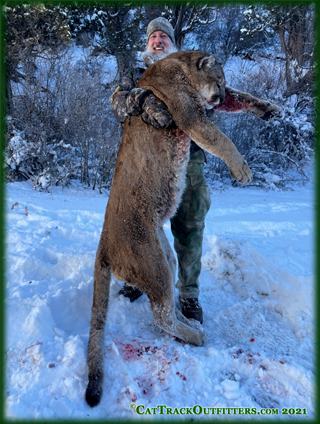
pixel 62 128
pixel 277 151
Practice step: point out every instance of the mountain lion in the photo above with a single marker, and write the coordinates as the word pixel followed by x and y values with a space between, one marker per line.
pixel 148 182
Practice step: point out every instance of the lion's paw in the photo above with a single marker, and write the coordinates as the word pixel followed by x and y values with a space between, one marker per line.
pixel 273 112
pixel 241 173
pixel 266 110
pixel 201 338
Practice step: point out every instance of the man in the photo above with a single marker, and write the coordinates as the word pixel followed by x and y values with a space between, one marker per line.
pixel 188 223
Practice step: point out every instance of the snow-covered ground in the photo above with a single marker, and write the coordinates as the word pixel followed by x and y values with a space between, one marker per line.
pixel 257 292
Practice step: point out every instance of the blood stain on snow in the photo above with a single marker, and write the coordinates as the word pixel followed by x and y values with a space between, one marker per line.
pixel 131 352
pixel 183 377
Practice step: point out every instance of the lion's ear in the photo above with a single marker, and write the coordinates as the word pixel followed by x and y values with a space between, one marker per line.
pixel 204 60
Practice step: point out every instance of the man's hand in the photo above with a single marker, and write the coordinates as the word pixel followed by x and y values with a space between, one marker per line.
pixel 156 113
pixel 135 100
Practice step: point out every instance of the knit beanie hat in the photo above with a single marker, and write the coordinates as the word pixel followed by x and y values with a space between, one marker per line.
pixel 160 24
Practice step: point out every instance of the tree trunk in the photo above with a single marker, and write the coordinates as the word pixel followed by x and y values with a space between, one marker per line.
pixel 124 64
pixel 179 15
pixel 293 39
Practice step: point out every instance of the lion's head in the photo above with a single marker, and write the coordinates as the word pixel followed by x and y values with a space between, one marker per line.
pixel 213 81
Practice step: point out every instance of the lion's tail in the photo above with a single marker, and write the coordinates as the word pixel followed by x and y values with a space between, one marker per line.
pixel 102 278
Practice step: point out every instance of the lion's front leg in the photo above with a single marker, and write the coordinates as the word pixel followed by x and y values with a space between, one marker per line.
pixel 210 138
pixel 238 101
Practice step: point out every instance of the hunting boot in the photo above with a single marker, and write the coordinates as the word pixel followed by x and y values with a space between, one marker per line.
pixel 131 292
pixel 191 308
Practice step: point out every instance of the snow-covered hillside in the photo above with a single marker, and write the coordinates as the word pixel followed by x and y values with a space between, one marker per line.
pixel 257 292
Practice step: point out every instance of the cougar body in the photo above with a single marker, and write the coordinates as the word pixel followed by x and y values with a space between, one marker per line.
pixel 147 186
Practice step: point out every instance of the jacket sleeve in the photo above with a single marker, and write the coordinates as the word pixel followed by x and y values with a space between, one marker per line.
pixel 119 98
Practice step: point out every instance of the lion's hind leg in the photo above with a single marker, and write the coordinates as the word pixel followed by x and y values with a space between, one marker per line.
pixel 156 282
pixel 168 253
pixel 102 278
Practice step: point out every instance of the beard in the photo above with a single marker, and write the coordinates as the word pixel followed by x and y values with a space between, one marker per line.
pixel 149 57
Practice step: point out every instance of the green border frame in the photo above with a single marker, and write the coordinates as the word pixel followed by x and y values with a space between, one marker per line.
pixel 2 194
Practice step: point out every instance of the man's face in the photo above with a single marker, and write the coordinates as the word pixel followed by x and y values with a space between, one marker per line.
pixel 159 42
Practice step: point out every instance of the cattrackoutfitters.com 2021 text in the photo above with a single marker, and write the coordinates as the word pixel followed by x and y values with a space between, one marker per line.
pixel 199 410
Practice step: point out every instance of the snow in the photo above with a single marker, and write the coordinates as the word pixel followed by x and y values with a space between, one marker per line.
pixel 257 292
pixel 109 69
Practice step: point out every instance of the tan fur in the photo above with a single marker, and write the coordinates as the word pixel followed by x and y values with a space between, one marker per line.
pixel 148 183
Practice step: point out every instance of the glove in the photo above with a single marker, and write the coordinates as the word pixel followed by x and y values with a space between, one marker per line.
pixel 135 100
pixel 156 113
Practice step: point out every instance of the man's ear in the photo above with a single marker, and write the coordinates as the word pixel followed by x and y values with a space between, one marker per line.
pixel 203 60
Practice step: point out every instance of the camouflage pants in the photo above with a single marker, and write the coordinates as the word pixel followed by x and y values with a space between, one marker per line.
pixel 187 227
